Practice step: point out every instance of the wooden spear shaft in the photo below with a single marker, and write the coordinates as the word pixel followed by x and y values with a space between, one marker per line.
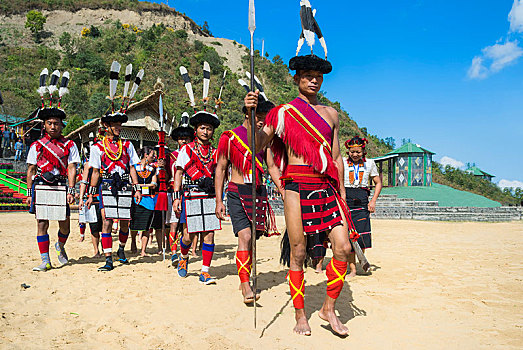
pixel 252 28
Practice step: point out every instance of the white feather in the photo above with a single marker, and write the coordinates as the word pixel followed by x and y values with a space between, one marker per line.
pixel 324 45
pixel 206 68
pixel 300 44
pixel 113 83
pixel 53 88
pixel 128 71
pixel 244 84
pixel 43 88
pixel 64 90
pixel 188 86
pixel 135 86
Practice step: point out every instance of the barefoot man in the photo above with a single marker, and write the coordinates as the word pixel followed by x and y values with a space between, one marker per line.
pixel 233 150
pixel 304 137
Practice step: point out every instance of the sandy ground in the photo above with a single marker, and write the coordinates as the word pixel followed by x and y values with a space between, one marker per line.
pixel 434 286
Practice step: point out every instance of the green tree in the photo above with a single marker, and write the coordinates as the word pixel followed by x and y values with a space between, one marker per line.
pixel 35 21
pixel 73 123
pixel 205 28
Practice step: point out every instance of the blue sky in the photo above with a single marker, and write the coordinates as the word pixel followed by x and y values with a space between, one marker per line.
pixel 446 74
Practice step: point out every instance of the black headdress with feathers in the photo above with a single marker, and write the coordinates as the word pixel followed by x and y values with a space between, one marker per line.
pixel 200 116
pixel 310 29
pixel 183 130
pixel 114 116
pixel 46 110
pixel 264 105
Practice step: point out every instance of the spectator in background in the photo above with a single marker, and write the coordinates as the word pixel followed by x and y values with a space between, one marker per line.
pixel 19 147
pixel 28 142
pixel 7 138
pixel 13 138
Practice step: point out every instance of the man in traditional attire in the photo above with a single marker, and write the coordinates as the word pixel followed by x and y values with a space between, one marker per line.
pixel 304 136
pixel 193 196
pixel 233 150
pixel 113 159
pixel 183 134
pixel 51 175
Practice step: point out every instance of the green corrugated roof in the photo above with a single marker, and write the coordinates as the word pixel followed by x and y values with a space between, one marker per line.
pixel 445 195
pixel 410 148
pixel 474 170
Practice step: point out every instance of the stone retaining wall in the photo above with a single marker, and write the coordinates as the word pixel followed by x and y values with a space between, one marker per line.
pixel 391 207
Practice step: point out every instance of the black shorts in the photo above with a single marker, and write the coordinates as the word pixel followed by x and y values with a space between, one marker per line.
pixel 239 219
pixel 157 220
pixel 96 227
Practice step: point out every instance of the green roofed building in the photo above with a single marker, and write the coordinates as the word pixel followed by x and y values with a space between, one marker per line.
pixel 474 170
pixel 409 165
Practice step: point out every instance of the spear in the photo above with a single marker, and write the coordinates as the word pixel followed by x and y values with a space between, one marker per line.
pixel 161 201
pixel 252 28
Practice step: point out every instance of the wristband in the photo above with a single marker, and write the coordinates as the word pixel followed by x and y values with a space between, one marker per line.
pixel 83 182
pixel 93 190
pixel 29 192
pixel 71 190
pixel 177 195
pixel 153 184
pixel 137 188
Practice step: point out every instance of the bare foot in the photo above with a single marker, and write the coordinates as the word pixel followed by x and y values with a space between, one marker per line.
pixel 352 272
pixel 248 294
pixel 336 325
pixel 143 254
pixel 97 255
pixel 81 238
pixel 134 248
pixel 193 254
pixel 302 325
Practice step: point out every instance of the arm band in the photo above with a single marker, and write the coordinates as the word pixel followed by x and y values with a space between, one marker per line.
pixel 93 190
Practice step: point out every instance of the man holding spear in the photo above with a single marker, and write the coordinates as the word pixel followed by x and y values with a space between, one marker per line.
pixel 233 150
pixel 304 139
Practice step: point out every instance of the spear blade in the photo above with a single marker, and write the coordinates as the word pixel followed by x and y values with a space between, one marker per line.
pixel 160 108
pixel 252 17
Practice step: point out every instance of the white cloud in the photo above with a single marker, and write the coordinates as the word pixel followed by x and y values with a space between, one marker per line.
pixel 477 70
pixel 515 16
pixel 451 161
pixel 494 59
pixel 510 183
pixel 502 54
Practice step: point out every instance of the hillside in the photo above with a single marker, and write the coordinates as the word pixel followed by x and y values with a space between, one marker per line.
pixel 150 36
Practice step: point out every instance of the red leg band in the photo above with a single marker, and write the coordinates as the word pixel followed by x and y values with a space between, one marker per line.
pixel 43 243
pixel 122 237
pixel 297 285
pixel 172 241
pixel 336 271
pixel 107 242
pixel 184 249
pixel 243 264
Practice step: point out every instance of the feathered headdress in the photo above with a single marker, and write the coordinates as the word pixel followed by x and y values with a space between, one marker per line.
pixel 120 115
pixel 183 130
pixel 201 116
pixel 264 105
pixel 55 84
pixel 310 29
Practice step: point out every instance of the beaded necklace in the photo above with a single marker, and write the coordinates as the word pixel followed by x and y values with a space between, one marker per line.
pixel 109 152
pixel 204 159
pixel 145 172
